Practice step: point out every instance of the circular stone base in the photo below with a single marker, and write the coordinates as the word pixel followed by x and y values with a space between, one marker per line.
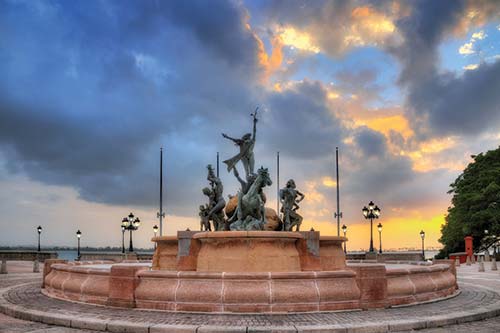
pixel 26 301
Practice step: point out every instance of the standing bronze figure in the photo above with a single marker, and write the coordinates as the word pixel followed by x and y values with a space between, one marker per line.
pixel 289 198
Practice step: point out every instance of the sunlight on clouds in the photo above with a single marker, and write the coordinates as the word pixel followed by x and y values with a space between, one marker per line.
pixel 369 27
pixel 427 157
pixel 384 125
pixel 479 35
pixel 298 39
pixel 394 230
pixel 270 63
pixel 471 67
pixel 328 182
pixel 468 48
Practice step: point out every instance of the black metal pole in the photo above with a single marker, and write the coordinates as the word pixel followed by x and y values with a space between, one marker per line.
pixel 217 164
pixel 345 250
pixel 338 191
pixel 371 234
pixel 278 183
pixel 423 251
pixel 131 247
pixel 161 193
pixel 380 241
pixel 123 241
pixel 39 242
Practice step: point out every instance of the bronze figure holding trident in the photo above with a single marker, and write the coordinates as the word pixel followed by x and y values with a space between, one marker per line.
pixel 246 144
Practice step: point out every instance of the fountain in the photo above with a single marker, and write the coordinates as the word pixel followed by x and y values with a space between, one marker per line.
pixel 253 262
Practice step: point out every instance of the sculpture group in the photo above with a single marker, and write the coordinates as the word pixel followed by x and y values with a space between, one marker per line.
pixel 250 212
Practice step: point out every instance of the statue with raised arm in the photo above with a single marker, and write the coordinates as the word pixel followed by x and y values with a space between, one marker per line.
pixel 216 201
pixel 246 145
pixel 289 198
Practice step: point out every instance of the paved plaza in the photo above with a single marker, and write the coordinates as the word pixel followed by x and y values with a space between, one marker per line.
pixel 476 308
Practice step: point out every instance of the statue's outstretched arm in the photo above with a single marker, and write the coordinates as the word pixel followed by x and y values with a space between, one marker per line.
pixel 301 195
pixel 230 138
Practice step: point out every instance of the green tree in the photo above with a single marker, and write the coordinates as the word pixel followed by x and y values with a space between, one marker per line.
pixel 475 206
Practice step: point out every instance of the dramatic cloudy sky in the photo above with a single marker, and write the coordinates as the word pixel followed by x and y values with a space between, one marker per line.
pixel 90 90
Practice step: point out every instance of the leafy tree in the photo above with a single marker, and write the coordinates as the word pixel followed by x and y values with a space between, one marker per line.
pixel 475 206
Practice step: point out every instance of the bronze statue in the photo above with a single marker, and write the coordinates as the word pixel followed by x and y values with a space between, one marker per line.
pixel 250 213
pixel 246 144
pixel 289 198
pixel 216 201
pixel 204 220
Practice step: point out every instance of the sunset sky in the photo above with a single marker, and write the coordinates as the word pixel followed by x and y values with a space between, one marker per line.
pixel 90 91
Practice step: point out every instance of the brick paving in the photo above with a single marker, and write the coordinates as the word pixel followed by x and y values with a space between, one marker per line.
pixel 473 297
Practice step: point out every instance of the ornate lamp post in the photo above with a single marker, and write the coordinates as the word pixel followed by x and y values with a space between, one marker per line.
pixel 78 235
pixel 371 212
pixel 379 227
pixel 131 223
pixel 39 229
pixel 422 235
pixel 344 229
pixel 123 237
pixel 155 230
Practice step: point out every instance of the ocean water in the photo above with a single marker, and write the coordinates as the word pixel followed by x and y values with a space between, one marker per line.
pixel 67 255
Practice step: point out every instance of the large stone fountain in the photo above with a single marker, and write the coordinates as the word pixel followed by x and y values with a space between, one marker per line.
pixel 253 261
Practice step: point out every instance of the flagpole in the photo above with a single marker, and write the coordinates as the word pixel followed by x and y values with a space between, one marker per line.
pixel 161 214
pixel 278 183
pixel 217 164
pixel 338 214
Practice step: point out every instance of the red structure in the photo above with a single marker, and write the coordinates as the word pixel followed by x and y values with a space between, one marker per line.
pixel 469 251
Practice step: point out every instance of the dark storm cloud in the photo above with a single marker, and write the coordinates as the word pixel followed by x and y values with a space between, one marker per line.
pixel 300 122
pixel 442 103
pixel 371 143
pixel 91 90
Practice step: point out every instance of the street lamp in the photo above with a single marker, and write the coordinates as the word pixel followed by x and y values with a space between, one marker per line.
pixel 371 212
pixel 78 235
pixel 39 229
pixel 123 237
pixel 131 223
pixel 155 230
pixel 379 227
pixel 422 235
pixel 344 229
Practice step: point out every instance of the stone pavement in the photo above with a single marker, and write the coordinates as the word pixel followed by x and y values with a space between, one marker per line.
pixel 479 300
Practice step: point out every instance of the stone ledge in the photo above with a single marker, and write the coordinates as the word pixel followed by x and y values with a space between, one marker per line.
pixel 111 325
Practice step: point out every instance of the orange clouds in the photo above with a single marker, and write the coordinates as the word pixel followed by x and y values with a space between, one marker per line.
pixel 385 124
pixel 270 63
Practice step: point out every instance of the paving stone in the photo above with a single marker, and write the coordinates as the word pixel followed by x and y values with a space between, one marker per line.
pixel 221 329
pixel 173 328
pixel 273 329
pixel 89 324
pixel 127 327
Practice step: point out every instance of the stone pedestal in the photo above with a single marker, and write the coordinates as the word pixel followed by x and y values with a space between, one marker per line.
pixel 248 251
pixel 165 256
pixel 331 253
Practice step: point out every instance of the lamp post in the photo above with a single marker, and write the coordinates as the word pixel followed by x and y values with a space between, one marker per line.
pixel 131 223
pixel 371 212
pixel 78 235
pixel 422 235
pixel 344 229
pixel 39 229
pixel 123 238
pixel 155 230
pixel 379 227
